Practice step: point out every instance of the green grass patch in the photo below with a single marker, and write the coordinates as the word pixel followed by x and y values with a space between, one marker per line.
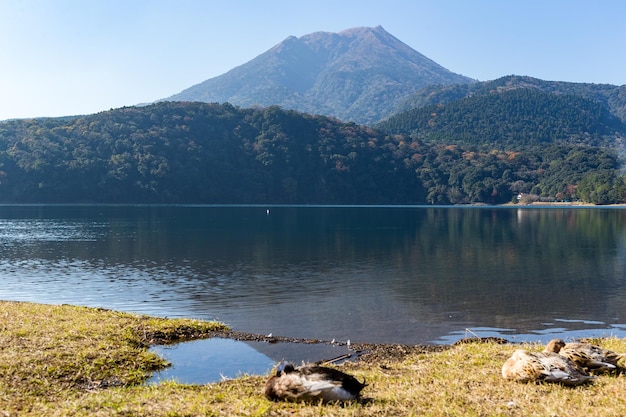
pixel 77 361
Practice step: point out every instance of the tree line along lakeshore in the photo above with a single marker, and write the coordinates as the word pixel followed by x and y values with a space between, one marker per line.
pixel 209 153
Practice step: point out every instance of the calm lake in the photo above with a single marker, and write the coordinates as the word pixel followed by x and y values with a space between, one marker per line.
pixel 370 274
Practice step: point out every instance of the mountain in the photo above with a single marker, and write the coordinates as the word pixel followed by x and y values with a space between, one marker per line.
pixel 358 75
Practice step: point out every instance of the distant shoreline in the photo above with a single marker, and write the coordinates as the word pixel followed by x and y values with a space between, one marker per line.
pixel 564 204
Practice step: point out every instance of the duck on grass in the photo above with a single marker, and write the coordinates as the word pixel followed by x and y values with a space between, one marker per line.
pixel 568 364
pixel 312 383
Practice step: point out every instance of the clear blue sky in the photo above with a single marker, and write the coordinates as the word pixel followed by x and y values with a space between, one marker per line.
pixel 67 57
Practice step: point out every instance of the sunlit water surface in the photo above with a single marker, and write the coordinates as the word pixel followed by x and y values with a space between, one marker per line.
pixel 412 275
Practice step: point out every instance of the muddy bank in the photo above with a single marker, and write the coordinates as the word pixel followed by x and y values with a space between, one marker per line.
pixel 364 352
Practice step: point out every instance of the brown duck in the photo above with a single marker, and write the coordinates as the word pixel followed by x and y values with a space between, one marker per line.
pixel 525 366
pixel 312 383
pixel 591 357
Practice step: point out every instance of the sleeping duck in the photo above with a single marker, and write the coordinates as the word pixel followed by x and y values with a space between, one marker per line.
pixel 592 358
pixel 525 366
pixel 312 383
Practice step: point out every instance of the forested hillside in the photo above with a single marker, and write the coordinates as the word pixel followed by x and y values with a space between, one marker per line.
pixel 554 132
pixel 512 119
pixel 612 97
pixel 175 152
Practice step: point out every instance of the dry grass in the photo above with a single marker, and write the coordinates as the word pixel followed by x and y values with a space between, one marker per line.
pixel 73 361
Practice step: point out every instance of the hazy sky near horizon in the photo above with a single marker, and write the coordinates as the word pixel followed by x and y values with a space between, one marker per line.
pixel 68 57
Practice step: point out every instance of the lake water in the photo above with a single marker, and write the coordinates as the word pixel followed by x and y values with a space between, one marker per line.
pixel 412 275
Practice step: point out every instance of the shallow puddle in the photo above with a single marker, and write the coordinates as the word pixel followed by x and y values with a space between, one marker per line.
pixel 215 359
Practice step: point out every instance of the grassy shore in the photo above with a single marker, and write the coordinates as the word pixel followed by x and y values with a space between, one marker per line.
pixel 77 361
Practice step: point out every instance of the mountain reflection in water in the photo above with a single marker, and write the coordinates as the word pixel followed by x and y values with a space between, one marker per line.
pixel 369 274
pixel 211 360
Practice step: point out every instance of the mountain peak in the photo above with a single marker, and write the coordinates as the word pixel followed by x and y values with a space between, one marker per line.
pixel 358 74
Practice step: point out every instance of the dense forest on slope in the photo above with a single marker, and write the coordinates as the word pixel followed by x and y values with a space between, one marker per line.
pixel 176 152
pixel 513 119
pixel 612 97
